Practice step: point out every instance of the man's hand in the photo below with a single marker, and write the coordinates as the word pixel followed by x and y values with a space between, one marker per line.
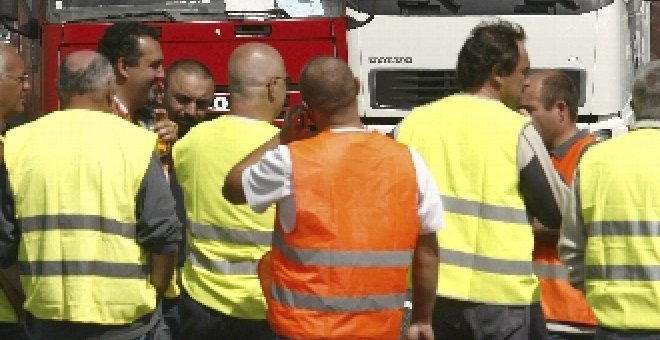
pixel 295 125
pixel 166 129
pixel 419 331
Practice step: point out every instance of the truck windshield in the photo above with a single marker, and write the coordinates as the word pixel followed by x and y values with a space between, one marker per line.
pixel 476 7
pixel 189 10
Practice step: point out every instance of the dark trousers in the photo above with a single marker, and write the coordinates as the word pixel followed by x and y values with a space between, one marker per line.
pixel 569 336
pixel 603 333
pixel 199 322
pixel 172 316
pixel 12 331
pixel 461 320
pixel 148 327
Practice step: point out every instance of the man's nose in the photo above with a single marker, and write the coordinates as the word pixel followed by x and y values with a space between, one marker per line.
pixel 160 73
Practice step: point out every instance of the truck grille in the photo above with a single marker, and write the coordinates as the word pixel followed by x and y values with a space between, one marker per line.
pixel 406 89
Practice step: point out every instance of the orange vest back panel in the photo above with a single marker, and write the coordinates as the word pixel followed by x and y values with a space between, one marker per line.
pixel 341 273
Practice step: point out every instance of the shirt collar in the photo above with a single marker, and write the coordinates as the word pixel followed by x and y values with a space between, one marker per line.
pixel 120 108
pixel 562 149
pixel 348 129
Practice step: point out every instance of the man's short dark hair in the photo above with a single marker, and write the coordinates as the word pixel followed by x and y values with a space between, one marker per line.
pixel 557 86
pixel 491 44
pixel 121 41
pixel 189 66
pixel 327 84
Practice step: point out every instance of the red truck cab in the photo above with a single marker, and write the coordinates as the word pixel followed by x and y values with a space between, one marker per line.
pixel 204 30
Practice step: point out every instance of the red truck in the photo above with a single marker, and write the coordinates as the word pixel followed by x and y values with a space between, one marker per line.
pixel 205 30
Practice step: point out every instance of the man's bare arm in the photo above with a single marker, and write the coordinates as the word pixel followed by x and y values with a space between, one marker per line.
pixel 232 190
pixel 162 269
pixel 425 280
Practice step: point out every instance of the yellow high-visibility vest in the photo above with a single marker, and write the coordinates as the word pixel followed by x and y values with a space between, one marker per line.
pixel 469 144
pixel 74 176
pixel 619 192
pixel 225 240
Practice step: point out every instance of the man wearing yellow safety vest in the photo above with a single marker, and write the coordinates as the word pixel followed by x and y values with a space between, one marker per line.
pixel 495 174
pixel 95 234
pixel 14 86
pixel 551 100
pixel 221 296
pixel 355 210
pixel 610 237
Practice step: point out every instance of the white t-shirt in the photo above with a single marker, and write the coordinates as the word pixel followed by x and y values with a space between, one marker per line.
pixel 269 181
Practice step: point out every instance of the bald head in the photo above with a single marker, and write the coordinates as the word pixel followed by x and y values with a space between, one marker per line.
pixel 327 85
pixel 251 66
pixel 13 85
pixel 84 73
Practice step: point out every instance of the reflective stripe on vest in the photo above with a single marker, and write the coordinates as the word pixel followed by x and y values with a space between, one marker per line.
pixel 222 266
pixel 623 272
pixel 624 228
pixel 484 210
pixel 214 233
pixel 319 257
pixel 484 264
pixel 76 222
pixel 619 203
pixel 225 240
pixel 67 268
pixel 550 271
pixel 75 194
pixel 340 273
pixel 337 304
pixel 470 145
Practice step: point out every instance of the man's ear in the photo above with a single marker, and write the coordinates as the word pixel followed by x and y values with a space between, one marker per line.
pixel 270 91
pixel 562 109
pixel 495 77
pixel 122 67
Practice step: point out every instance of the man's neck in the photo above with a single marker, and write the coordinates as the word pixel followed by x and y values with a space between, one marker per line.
pixel 485 92
pixel 253 110
pixel 564 136
pixel 82 102
pixel 125 99
pixel 342 119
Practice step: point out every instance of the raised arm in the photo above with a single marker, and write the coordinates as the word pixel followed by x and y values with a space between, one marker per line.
pixel 232 190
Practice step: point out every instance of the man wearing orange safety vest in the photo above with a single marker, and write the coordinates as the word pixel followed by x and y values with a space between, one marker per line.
pixel 355 210
pixel 551 99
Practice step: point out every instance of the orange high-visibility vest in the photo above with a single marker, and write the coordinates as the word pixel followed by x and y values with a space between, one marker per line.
pixel 341 273
pixel 560 301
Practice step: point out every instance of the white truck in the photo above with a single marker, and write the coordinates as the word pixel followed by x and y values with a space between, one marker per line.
pixel 405 51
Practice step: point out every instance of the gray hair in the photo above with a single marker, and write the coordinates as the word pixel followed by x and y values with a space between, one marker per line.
pixel 83 79
pixel 646 92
